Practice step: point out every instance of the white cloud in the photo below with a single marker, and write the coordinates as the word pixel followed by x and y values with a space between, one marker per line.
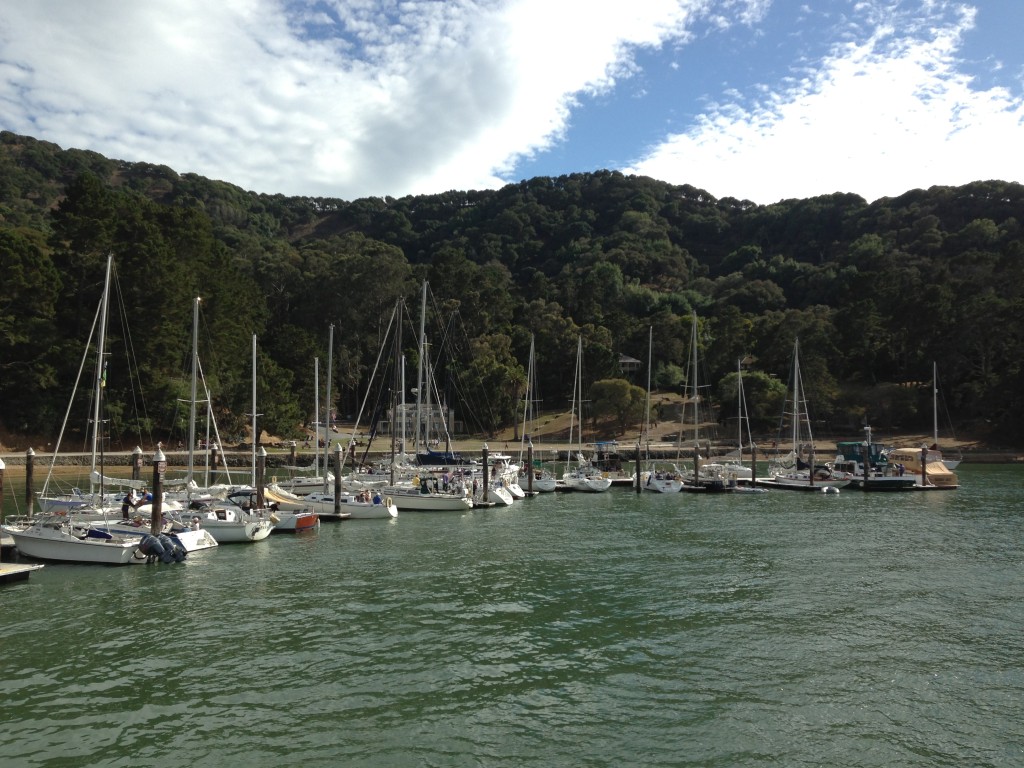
pixel 880 117
pixel 339 97
pixel 350 98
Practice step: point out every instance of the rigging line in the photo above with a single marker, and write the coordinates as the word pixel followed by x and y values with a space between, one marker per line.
pixel 134 376
pixel 71 400
pixel 376 366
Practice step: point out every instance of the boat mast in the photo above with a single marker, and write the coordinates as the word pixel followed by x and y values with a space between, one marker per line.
pixel 254 437
pixel 696 416
pixel 398 386
pixel 316 415
pixel 647 402
pixel 796 396
pixel 527 410
pixel 327 405
pixel 100 376
pixel 572 410
pixel 935 403
pixel 192 393
pixel 419 372
pixel 739 404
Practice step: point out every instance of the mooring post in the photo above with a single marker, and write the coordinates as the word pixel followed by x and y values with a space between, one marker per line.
pixel 159 468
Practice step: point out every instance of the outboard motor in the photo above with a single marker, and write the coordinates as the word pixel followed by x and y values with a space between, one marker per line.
pixel 174 549
pixel 161 547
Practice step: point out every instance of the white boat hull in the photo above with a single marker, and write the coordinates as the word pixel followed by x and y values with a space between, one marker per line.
pixel 293 521
pixel 190 539
pixel 412 500
pixel 57 542
pixel 229 526
pixel 500 496
pixel 657 484
pixel 587 484
pixel 801 482
pixel 542 483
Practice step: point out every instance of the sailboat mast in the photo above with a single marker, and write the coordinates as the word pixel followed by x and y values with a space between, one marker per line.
pixel 419 371
pixel 796 396
pixel 100 372
pixel 575 389
pixel 398 386
pixel 696 415
pixel 192 392
pixel 327 405
pixel 526 400
pixel 935 404
pixel 739 405
pixel 316 414
pixel 428 380
pixel 647 401
pixel 254 434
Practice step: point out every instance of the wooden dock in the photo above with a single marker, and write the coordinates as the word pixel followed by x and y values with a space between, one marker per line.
pixel 11 572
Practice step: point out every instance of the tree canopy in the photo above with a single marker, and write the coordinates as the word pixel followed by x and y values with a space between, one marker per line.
pixel 875 292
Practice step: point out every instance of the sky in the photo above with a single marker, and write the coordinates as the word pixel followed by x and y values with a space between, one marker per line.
pixel 759 100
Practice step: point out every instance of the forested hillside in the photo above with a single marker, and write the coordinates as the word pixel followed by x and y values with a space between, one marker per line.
pixel 875 292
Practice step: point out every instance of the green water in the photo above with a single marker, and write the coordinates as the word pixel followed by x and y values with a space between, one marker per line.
pixel 567 630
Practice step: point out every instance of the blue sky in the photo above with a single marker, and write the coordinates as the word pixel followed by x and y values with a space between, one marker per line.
pixel 753 99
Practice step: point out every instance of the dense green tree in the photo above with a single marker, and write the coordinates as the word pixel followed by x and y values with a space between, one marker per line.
pixel 618 399
pixel 875 292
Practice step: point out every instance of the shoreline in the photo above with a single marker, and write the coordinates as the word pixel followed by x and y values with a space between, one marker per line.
pixel 282 457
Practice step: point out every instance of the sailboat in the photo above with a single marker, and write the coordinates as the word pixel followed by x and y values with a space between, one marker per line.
pixel 57 536
pixel 542 480
pixel 284 521
pixel 792 472
pixel 951 464
pixel 582 476
pixel 703 477
pixel 227 523
pixel 96 497
pixel 659 481
pixel 416 496
pixel 733 463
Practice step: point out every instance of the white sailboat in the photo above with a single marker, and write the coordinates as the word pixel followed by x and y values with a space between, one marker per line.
pixel 583 476
pixel 55 536
pixel 541 481
pixel 227 523
pixel 792 472
pixel 702 477
pixel 417 495
pixel 732 463
pixel 653 479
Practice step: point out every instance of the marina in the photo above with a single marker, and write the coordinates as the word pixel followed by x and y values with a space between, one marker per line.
pixel 858 629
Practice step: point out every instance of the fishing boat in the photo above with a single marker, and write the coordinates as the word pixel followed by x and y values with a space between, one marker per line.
pixel 868 467
pixel 54 537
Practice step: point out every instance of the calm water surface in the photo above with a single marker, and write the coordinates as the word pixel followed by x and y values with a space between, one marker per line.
pixel 568 630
